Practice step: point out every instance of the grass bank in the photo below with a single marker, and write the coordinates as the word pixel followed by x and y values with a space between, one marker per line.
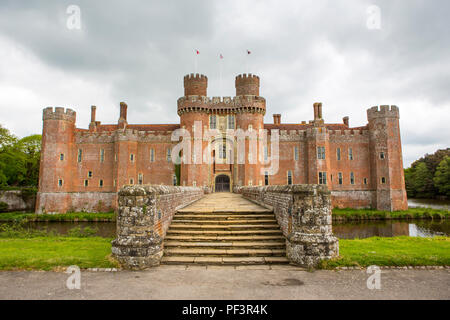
pixel 372 214
pixel 70 217
pixel 47 253
pixel 395 251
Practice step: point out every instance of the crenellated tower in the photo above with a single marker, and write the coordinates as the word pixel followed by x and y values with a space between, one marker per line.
pixel 58 158
pixel 193 110
pixel 386 162
pixel 251 109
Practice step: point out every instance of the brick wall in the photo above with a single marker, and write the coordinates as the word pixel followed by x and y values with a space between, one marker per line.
pixel 145 213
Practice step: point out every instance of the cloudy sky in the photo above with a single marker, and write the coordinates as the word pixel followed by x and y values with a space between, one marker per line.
pixel 304 52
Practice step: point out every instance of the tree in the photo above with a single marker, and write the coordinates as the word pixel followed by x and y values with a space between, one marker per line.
pixel 423 181
pixel 410 175
pixel 19 159
pixel 442 177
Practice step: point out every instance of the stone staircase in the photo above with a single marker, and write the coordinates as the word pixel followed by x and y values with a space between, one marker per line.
pixel 224 229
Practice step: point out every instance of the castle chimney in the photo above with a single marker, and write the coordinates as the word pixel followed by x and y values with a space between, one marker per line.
pixel 93 111
pixel 317 110
pixel 276 118
pixel 123 111
pixel 346 122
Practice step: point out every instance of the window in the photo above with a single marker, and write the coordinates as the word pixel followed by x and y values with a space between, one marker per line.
pixel 340 177
pixel 100 183
pixel 381 155
pixel 61 157
pixel 115 182
pixel 90 174
pixel 250 182
pixel 266 153
pixel 296 153
pixel 174 180
pixel 212 122
pixel 383 180
pixel 338 153
pixel 321 153
pixel 250 127
pixel 365 180
pixel 194 183
pixel 169 155
pixel 60 183
pixel 132 157
pixel 352 178
pixel 223 151
pixel 350 154
pixel 80 155
pixel 289 177
pixel 152 155
pixel 140 178
pixel 115 157
pixel 266 178
pixel 131 181
pixel 322 178
pixel 231 122
pixel 86 183
pixel 102 155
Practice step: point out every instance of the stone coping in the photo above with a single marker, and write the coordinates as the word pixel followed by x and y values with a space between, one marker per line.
pixel 311 189
pixel 142 190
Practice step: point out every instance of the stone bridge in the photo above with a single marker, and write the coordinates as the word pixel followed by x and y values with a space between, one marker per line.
pixel 254 225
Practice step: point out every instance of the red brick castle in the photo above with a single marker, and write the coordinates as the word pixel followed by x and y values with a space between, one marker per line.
pixel 82 169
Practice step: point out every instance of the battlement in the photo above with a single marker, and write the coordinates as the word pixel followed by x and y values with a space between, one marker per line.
pixel 195 85
pixel 59 113
pixel 225 104
pixel 247 84
pixel 384 111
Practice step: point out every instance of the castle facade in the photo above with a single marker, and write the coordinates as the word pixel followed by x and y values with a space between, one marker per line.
pixel 83 169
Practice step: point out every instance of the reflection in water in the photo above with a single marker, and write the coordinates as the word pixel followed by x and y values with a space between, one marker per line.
pixel 343 230
pixel 391 228
pixel 429 203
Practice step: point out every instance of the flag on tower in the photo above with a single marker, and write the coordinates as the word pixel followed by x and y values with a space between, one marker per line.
pixel 221 56
pixel 196 51
pixel 248 52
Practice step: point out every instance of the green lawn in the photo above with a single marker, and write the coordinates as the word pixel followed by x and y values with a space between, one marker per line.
pixel 46 253
pixel 74 216
pixel 395 251
pixel 413 213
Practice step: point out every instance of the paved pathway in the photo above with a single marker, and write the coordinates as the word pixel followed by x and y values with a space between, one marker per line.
pixel 224 202
pixel 244 282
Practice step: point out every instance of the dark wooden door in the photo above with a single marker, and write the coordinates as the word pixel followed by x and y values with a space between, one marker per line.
pixel 222 183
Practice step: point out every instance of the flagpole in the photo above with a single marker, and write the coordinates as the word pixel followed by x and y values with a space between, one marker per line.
pixel 220 72
pixel 195 62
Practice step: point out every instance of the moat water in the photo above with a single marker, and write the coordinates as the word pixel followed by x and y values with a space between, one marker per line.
pixel 343 230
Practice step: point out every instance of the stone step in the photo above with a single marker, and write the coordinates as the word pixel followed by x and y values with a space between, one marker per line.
pixel 255 232
pixel 226 222
pixel 223 238
pixel 226 245
pixel 213 216
pixel 237 210
pixel 191 226
pixel 215 252
pixel 196 260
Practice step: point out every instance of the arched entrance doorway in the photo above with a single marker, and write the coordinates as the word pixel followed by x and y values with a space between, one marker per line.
pixel 222 183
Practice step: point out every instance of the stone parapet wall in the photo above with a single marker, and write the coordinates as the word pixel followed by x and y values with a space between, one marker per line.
pixel 304 214
pixel 144 215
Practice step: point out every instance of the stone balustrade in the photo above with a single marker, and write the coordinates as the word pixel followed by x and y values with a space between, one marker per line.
pixel 144 215
pixel 304 215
